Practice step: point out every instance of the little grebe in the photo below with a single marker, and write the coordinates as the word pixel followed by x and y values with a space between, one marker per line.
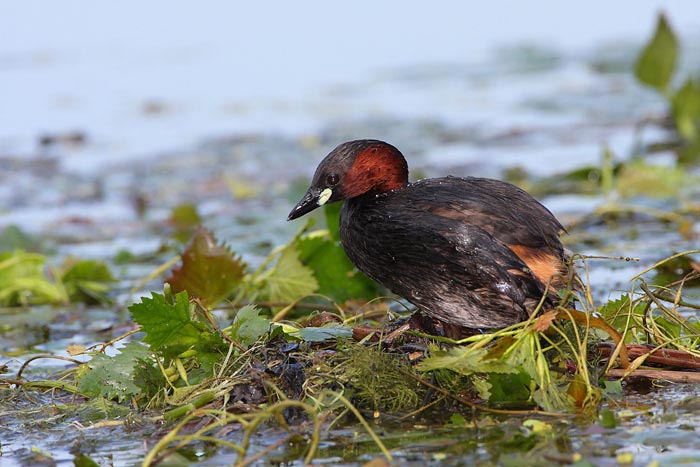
pixel 469 252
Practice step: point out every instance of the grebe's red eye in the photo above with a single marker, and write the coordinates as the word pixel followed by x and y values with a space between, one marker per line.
pixel 332 179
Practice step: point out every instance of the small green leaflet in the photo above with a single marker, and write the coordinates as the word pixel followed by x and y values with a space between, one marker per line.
pixel 24 282
pixel 686 109
pixel 613 389
pixel 330 331
pixel 248 325
pixel 623 313
pixel 289 280
pixel 81 460
pixel 657 62
pixel 185 219
pixel 113 377
pixel 465 360
pixel 169 328
pixel 509 388
pixel 87 281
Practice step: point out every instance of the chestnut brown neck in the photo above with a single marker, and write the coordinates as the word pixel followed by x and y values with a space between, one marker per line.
pixel 378 168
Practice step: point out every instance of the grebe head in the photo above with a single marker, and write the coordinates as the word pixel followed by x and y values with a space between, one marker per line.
pixel 355 168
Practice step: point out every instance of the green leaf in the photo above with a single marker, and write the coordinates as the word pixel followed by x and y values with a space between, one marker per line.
pixel 289 280
pixel 657 62
pixel 607 419
pixel 547 394
pixel 332 213
pixel 465 360
pixel 337 277
pixel 613 389
pixel 87 281
pixel 457 420
pixel 248 325
pixel 169 328
pixel 671 328
pixel 185 219
pixel 324 333
pixel 209 352
pixel 686 110
pixel 623 313
pixel 23 280
pixel 150 379
pixel 209 271
pixel 113 377
pixel 81 460
pixel 509 387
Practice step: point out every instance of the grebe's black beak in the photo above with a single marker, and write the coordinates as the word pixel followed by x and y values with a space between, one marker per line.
pixel 308 203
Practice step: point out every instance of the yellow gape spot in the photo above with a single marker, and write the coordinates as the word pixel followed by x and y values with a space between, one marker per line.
pixel 324 196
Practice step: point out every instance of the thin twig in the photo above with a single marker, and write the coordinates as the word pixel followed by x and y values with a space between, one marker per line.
pixel 37 357
pixel 674 376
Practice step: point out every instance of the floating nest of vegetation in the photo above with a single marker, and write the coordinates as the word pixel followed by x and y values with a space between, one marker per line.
pixel 229 349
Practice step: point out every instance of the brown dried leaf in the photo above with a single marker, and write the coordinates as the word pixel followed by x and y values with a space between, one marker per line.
pixel 545 320
pixel 209 271
pixel 75 349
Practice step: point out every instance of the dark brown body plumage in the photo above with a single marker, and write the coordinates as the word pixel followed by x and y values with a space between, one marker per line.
pixel 442 244
pixel 469 252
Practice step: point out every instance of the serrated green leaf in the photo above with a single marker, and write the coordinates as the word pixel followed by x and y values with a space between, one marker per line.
pixel 169 328
pixel 209 271
pixel 113 377
pixel 248 325
pixel 686 109
pixel 87 281
pixel 657 62
pixel 337 277
pixel 289 280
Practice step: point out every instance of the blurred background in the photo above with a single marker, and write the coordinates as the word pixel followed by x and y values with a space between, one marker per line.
pixel 137 78
pixel 112 113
